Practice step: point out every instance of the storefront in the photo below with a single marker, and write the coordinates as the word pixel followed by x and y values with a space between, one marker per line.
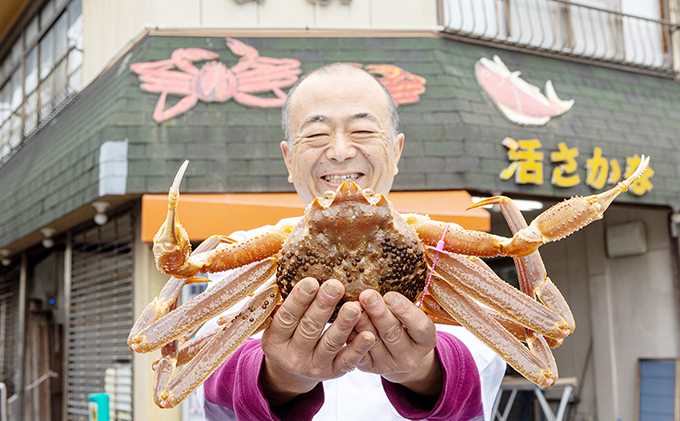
pixel 122 139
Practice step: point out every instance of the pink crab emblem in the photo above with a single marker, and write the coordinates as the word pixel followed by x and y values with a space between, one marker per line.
pixel 215 82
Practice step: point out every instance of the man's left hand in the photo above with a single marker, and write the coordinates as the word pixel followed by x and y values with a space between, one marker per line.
pixel 404 352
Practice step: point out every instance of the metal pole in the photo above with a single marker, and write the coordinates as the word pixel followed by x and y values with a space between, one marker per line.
pixel 68 254
pixel 21 336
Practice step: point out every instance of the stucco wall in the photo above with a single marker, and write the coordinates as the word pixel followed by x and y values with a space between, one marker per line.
pixel 110 24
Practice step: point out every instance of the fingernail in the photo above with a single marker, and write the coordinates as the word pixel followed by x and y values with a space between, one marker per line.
pixel 307 286
pixel 331 289
pixel 371 299
pixel 350 312
pixel 391 298
pixel 367 341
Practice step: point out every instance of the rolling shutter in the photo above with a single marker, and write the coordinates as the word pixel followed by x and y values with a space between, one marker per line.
pixel 101 317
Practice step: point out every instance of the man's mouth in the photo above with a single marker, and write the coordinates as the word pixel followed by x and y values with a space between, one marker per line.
pixel 341 178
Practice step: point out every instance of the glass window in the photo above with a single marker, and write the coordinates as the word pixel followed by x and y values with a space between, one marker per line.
pixel 31 113
pixel 75 11
pixel 16 91
pixel 60 81
pixel 60 42
pixel 75 33
pixel 75 60
pixel 17 50
pixel 46 54
pixel 4 103
pixel 47 14
pixel 46 93
pixel 32 31
pixel 31 71
pixel 39 73
pixel 15 129
pixel 75 81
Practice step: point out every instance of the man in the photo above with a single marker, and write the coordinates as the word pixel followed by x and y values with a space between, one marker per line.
pixel 341 125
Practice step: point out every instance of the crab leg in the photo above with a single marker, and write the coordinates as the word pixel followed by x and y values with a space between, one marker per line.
pixel 472 276
pixel 438 315
pixel 554 224
pixel 222 344
pixel 171 246
pixel 475 319
pixel 227 292
pixel 168 295
pixel 533 281
pixel 188 350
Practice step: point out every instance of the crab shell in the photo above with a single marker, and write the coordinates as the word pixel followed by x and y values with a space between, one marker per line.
pixel 358 238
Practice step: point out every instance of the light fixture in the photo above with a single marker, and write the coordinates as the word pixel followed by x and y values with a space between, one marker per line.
pixel 48 232
pixel 100 218
pixel 5 257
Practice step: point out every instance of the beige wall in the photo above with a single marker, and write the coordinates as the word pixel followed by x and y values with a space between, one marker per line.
pixel 624 306
pixel 110 24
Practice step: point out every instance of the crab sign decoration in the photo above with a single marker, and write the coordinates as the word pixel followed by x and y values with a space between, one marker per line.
pixel 215 82
pixel 357 237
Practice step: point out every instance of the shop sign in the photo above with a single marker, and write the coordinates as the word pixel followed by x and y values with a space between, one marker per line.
pixel 527 161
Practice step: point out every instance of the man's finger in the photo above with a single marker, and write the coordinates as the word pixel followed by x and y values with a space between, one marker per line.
pixel 288 316
pixel 313 321
pixel 389 327
pixel 351 356
pixel 418 326
pixel 335 337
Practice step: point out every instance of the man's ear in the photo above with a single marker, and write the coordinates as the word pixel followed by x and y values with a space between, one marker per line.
pixel 398 147
pixel 287 156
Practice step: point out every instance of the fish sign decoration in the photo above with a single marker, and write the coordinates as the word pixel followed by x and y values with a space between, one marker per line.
pixel 519 101
pixel 251 82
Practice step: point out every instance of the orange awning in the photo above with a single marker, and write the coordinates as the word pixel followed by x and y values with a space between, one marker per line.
pixel 203 215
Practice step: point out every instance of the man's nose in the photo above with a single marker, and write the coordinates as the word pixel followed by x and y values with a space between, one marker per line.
pixel 341 148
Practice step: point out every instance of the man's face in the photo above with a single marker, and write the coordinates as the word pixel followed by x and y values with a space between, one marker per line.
pixel 341 132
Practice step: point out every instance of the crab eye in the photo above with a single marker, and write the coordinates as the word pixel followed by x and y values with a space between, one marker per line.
pixel 368 193
pixel 329 195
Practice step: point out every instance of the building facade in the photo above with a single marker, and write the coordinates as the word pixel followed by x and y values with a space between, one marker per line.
pixel 100 103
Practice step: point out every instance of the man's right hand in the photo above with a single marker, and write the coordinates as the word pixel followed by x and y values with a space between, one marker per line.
pixel 299 353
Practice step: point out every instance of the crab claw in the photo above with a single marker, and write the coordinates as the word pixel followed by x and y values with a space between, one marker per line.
pixel 193 54
pixel 241 49
pixel 563 219
pixel 171 245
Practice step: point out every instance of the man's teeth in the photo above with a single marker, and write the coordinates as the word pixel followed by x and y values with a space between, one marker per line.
pixel 339 179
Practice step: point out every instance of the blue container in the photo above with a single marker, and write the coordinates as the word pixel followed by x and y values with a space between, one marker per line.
pixel 98 407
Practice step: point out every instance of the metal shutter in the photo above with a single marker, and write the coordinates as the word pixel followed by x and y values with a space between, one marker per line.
pixel 9 324
pixel 100 315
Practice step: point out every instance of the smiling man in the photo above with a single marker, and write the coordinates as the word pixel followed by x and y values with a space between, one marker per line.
pixel 341 125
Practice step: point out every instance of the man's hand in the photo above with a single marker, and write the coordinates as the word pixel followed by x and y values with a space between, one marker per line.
pixel 404 353
pixel 299 353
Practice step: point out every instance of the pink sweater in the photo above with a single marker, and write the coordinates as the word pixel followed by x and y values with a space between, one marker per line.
pixel 235 385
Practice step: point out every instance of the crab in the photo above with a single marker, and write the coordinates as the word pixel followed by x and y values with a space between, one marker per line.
pixel 215 82
pixel 357 237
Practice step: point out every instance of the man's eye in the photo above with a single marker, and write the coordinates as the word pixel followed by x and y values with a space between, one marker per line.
pixel 317 135
pixel 363 134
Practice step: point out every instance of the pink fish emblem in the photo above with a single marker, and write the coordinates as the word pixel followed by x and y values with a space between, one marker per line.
pixel 519 101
